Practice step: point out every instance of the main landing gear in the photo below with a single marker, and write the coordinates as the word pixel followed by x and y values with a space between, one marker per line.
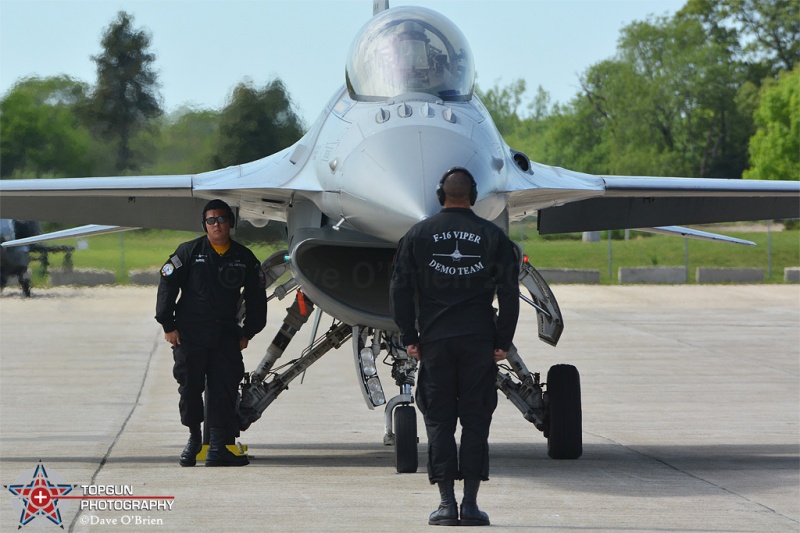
pixel 262 386
pixel 553 407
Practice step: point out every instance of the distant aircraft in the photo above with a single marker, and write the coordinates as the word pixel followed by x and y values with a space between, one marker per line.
pixel 14 261
pixel 361 176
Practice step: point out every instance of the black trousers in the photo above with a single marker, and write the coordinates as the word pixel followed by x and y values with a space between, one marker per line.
pixel 222 368
pixel 457 382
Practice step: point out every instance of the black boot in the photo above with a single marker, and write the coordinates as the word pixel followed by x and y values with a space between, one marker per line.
pixel 193 447
pixel 219 455
pixel 447 513
pixel 470 514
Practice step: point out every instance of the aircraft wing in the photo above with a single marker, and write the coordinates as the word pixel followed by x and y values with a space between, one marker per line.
pixel 260 189
pixel 569 201
pixel 82 231
pixel 154 202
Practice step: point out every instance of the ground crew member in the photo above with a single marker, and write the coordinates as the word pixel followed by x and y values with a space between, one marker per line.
pixel 454 263
pixel 211 273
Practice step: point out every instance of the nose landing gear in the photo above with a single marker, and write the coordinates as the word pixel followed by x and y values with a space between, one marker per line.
pixel 400 416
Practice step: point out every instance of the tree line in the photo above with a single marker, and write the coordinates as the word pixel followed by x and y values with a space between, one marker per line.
pixel 61 127
pixel 712 91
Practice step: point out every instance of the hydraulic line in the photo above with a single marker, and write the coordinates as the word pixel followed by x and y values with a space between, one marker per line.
pixel 296 316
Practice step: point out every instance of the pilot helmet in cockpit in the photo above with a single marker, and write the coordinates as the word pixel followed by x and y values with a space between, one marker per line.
pixel 410 50
pixel 411 56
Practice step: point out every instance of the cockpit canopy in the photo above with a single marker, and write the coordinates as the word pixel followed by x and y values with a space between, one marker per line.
pixel 410 50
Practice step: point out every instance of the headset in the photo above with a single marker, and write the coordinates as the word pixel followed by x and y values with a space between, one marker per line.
pixel 473 192
pixel 218 204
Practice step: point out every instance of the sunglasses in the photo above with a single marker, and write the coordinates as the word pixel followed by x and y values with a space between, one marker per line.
pixel 212 221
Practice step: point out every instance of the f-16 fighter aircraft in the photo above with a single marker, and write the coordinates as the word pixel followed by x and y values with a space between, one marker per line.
pixel 364 173
pixel 14 261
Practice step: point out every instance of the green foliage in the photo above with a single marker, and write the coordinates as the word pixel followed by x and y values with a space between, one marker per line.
pixel 775 147
pixel 126 96
pixel 256 123
pixel 185 142
pixel 503 104
pixel 148 249
pixel 678 98
pixel 572 137
pixel 769 29
pixel 41 130
pixel 666 102
pixel 792 224
pixel 672 102
pixel 661 250
pixel 140 250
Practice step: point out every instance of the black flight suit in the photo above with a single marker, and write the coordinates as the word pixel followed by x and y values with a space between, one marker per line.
pixel 210 286
pixel 454 263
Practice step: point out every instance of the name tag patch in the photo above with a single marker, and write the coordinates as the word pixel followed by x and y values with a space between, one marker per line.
pixel 171 265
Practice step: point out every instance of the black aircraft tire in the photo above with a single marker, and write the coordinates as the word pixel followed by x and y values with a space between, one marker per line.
pixel 565 439
pixel 405 443
pixel 26 287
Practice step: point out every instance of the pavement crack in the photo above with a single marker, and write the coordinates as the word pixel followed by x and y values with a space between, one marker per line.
pixel 104 460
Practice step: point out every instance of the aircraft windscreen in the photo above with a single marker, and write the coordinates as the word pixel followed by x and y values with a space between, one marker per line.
pixel 407 50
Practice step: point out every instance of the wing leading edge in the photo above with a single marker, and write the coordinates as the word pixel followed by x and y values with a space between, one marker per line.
pixel 260 190
pixel 153 202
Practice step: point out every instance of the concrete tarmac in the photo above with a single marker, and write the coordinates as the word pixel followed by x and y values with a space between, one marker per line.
pixel 691 412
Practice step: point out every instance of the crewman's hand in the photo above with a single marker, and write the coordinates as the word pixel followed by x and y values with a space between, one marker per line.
pixel 413 351
pixel 173 337
pixel 243 342
pixel 499 355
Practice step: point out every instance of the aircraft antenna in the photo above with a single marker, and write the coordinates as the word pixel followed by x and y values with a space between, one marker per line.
pixel 379 5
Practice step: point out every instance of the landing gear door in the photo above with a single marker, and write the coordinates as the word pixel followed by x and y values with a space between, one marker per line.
pixel 548 314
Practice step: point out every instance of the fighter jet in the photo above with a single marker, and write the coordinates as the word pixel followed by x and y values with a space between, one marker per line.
pixel 14 261
pixel 363 174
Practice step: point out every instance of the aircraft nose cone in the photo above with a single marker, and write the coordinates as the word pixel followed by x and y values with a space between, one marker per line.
pixel 389 182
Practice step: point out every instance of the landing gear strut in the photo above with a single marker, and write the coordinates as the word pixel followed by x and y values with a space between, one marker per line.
pixel 257 392
pixel 400 416
pixel 404 370
pixel 554 408
pixel 262 386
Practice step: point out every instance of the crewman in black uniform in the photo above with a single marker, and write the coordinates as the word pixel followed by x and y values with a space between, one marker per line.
pixel 453 264
pixel 211 274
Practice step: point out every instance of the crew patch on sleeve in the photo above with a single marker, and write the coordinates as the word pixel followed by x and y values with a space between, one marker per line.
pixel 170 266
pixel 167 269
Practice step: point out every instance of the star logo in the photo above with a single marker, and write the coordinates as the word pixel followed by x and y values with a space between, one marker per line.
pixel 40 497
